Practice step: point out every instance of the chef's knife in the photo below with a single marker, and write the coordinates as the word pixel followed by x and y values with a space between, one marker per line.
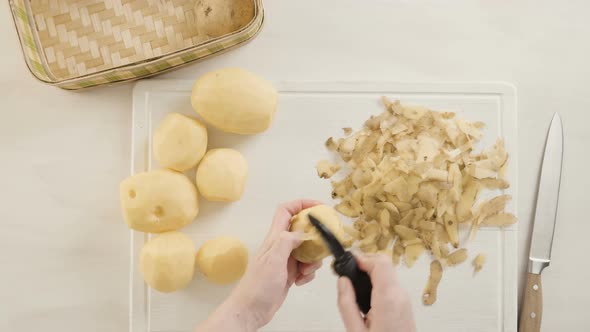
pixel 543 227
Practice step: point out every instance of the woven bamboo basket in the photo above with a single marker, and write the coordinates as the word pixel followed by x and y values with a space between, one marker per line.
pixel 75 44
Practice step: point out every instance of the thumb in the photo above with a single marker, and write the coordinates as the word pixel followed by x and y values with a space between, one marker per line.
pixel 349 310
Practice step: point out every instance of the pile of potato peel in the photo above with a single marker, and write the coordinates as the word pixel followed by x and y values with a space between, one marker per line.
pixel 410 178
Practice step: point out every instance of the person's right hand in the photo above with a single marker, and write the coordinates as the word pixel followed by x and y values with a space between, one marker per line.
pixel 391 309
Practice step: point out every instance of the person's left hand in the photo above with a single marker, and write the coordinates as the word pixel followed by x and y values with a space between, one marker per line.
pixel 273 271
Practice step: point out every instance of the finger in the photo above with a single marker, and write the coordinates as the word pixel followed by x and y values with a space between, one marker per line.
pixel 366 262
pixel 292 273
pixel 380 270
pixel 295 206
pixel 369 319
pixel 279 250
pixel 309 268
pixel 304 279
pixel 349 310
pixel 282 218
pixel 270 243
pixel 284 244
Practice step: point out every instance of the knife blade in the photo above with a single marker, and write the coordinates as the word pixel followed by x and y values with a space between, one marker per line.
pixel 547 199
pixel 543 227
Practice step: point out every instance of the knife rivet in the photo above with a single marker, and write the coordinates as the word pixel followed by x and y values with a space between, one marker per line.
pixel 533 315
pixel 535 287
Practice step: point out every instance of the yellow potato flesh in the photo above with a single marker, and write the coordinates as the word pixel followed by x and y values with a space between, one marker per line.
pixel 223 260
pixel 313 249
pixel 235 101
pixel 222 174
pixel 158 201
pixel 167 262
pixel 179 142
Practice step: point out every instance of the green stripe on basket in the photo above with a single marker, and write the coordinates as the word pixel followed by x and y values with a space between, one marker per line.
pixel 86 84
pixel 30 47
pixel 38 67
pixel 139 72
pixel 20 13
pixel 188 57
pixel 29 42
pixel 161 66
pixel 112 77
pixel 243 38
pixel 215 48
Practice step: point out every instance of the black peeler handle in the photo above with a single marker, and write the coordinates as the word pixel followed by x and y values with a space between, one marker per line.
pixel 346 266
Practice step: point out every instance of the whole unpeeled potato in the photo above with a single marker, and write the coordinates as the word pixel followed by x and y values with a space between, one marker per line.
pixel 167 262
pixel 220 17
pixel 313 249
pixel 158 201
pixel 223 260
pixel 179 142
pixel 235 100
pixel 222 174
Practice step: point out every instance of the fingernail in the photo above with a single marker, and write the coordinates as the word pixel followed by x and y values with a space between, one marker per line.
pixel 302 236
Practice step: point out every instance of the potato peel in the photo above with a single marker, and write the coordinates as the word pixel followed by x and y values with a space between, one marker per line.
pixel 326 169
pixel 499 220
pixel 412 177
pixel 478 262
pixel 430 292
pixel 405 233
pixel 412 253
pixel 457 257
pixel 451 226
pixel 488 208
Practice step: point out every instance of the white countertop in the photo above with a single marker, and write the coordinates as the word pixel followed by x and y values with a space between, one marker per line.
pixel 63 247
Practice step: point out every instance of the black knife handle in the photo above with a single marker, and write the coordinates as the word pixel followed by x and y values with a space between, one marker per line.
pixel 346 266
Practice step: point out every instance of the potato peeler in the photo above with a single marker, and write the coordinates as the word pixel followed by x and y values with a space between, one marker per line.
pixel 345 265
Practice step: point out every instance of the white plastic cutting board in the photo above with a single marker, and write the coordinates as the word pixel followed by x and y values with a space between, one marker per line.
pixel 282 168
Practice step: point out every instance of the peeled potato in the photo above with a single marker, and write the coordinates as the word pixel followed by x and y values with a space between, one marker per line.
pixel 158 201
pixel 235 100
pixel 313 249
pixel 221 175
pixel 179 142
pixel 219 17
pixel 223 260
pixel 167 262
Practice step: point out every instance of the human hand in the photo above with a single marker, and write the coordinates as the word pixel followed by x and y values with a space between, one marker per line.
pixel 391 309
pixel 273 271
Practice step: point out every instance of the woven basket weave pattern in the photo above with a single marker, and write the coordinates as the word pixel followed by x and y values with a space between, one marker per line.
pixel 82 37
pixel 82 43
